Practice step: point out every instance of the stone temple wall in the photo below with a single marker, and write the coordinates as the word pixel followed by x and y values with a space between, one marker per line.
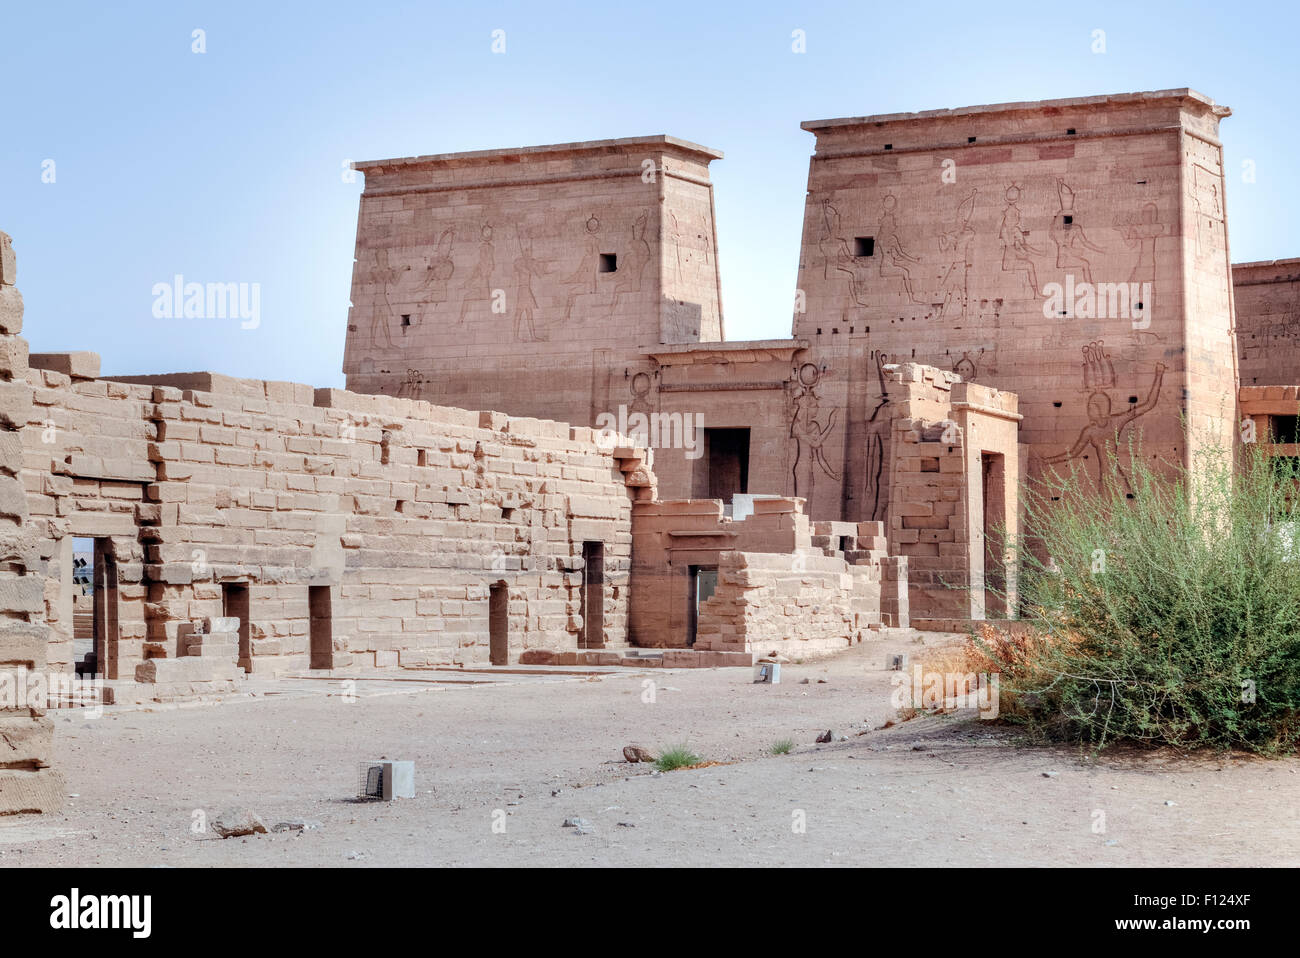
pixel 772 580
pixel 530 280
pixel 27 782
pixel 1267 298
pixel 337 527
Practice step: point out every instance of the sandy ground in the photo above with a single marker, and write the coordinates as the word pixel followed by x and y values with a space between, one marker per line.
pixel 503 759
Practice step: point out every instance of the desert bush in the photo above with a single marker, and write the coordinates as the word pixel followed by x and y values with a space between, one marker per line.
pixel 676 756
pixel 1164 604
pixel 782 747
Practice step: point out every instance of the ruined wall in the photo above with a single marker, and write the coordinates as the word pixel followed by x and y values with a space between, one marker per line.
pixel 777 583
pixel 86 452
pixel 1268 321
pixel 934 237
pixel 27 782
pixel 955 470
pixel 400 514
pixel 796 604
pixel 528 280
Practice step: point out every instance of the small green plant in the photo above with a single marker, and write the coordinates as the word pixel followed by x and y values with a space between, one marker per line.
pixel 676 756
pixel 782 747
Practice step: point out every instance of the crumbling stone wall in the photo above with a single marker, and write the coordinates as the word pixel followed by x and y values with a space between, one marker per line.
pixel 955 469
pixel 27 782
pixel 406 513
pixel 778 585
pixel 86 450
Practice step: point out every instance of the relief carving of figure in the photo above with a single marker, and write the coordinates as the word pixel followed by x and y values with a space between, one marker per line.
pixel 895 260
pixel 1105 428
pixel 440 269
pixel 1069 237
pixel 583 280
pixel 412 385
pixel 959 243
pixel 384 277
pixel 631 268
pixel 1141 235
pixel 831 242
pixel 1016 249
pixel 877 427
pixel 524 268
pixel 478 285
pixel 809 434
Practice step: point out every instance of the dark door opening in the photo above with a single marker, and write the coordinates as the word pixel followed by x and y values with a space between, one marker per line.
pixel 727 455
pixel 592 635
pixel 320 605
pixel 236 604
pixel 993 466
pixel 498 624
pixel 703 583
pixel 104 628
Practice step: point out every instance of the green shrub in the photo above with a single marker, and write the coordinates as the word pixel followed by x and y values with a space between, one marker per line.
pixel 783 747
pixel 676 756
pixel 1166 606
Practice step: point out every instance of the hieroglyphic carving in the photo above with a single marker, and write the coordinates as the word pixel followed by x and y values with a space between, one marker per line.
pixel 959 243
pixel 584 279
pixel 405 290
pixel 1208 209
pixel 968 366
pixel 632 260
pixel 412 386
pixel 808 433
pixel 1141 234
pixel 524 268
pixel 831 241
pixel 383 278
pixel 895 260
pixel 479 283
pixel 439 271
pixel 892 260
pixel 635 261
pixel 1098 370
pixel 1016 249
pixel 1069 236
pixel 1104 429
pixel 878 426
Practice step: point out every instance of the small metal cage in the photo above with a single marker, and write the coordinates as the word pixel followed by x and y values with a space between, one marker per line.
pixel 370 783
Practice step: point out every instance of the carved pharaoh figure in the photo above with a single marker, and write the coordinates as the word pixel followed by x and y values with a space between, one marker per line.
pixel 1069 237
pixel 959 244
pixel 478 285
pixel 809 434
pixel 1104 429
pixel 1016 250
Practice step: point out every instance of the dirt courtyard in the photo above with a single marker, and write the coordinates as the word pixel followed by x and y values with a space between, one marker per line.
pixel 503 759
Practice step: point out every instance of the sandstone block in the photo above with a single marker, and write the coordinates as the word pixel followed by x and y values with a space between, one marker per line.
pixel 11 311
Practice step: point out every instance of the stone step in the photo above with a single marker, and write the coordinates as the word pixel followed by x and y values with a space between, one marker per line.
pixel 186 670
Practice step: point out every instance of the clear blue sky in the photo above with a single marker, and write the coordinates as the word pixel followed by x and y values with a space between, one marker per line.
pixel 225 166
